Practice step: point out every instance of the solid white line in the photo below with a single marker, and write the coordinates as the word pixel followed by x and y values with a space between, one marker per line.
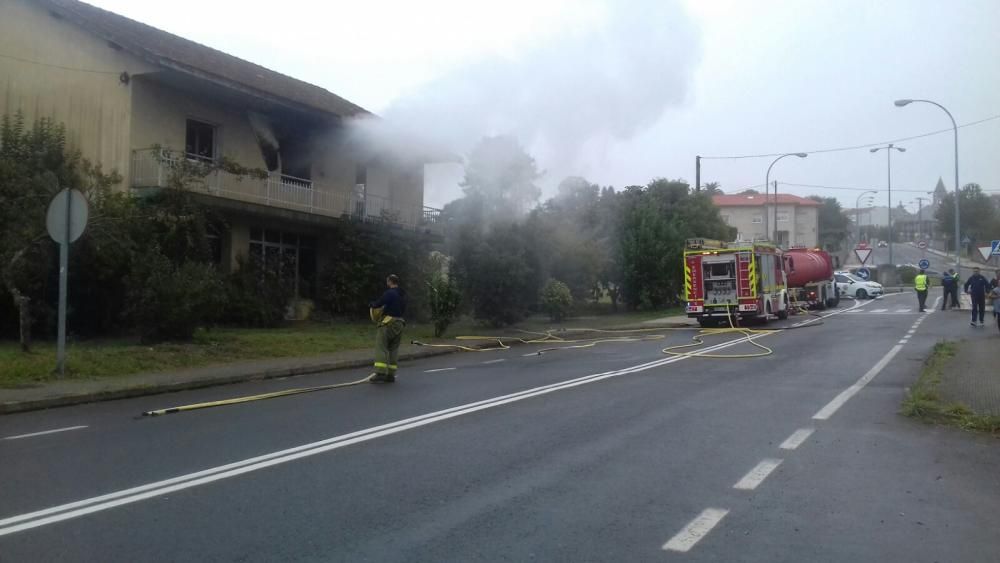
pixel 757 475
pixel 159 488
pixel 695 530
pixel 437 370
pixel 19 436
pixel 838 401
pixel 796 439
pixel 495 361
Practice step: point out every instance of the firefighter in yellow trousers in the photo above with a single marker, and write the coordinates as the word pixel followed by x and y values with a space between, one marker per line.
pixel 388 313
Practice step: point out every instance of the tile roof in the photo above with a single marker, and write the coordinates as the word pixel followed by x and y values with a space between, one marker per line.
pixel 758 199
pixel 171 51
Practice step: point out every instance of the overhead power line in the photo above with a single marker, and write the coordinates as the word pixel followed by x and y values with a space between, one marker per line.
pixel 50 65
pixel 855 147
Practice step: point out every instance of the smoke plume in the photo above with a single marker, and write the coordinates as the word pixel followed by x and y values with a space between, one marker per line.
pixel 568 97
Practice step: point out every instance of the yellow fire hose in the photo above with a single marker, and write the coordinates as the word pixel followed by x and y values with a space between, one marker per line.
pixel 537 338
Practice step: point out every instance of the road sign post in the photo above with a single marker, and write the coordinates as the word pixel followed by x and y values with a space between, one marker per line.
pixel 65 221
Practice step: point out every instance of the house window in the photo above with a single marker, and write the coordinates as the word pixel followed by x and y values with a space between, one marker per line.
pixel 758 219
pixel 291 256
pixel 200 140
pixel 782 217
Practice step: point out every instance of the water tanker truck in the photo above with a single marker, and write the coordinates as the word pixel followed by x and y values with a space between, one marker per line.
pixel 810 278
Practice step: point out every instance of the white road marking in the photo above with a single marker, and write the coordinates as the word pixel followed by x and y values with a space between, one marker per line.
pixel 83 507
pixel 437 370
pixel 838 401
pixel 756 476
pixel 696 529
pixel 68 428
pixel 912 331
pixel 879 310
pixel 903 310
pixel 797 438
pixel 903 341
pixel 495 361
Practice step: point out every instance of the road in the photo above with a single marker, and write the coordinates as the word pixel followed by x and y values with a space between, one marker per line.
pixel 611 453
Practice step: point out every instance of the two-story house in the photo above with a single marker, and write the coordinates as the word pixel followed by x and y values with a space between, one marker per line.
pixel 122 87
pixel 796 219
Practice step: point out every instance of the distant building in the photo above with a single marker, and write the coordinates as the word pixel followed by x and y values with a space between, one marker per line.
pixel 796 219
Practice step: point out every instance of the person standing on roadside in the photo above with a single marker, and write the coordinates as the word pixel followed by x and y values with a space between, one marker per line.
pixel 954 290
pixel 390 330
pixel 921 283
pixel 994 294
pixel 976 286
pixel 948 285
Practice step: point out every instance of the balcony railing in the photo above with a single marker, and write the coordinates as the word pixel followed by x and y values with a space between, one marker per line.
pixel 152 168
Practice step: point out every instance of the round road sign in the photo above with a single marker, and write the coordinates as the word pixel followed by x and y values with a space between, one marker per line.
pixel 924 264
pixel 57 221
pixel 864 273
pixel 922 244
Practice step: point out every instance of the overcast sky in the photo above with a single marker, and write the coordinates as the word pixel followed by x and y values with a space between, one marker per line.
pixel 622 92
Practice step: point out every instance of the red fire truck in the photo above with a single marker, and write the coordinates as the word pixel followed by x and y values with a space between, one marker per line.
pixel 741 280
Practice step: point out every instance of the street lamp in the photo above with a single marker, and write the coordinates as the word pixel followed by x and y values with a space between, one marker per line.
pixel 958 242
pixel 857 210
pixel 767 180
pixel 888 153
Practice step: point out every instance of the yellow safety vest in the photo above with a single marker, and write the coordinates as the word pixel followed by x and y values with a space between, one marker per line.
pixel 920 282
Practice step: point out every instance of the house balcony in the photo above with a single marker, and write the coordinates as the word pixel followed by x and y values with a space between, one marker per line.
pixel 152 168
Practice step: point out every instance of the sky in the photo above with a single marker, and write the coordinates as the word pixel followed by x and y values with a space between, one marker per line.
pixel 624 92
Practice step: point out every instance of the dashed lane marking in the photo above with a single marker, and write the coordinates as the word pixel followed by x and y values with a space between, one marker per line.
pixel 44 432
pixel 494 361
pixel 437 370
pixel 696 529
pixel 797 438
pixel 756 476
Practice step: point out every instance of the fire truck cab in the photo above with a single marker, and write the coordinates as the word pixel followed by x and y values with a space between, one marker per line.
pixel 736 280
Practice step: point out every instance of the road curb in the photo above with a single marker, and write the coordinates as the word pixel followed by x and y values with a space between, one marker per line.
pixel 10 407
pixel 69 399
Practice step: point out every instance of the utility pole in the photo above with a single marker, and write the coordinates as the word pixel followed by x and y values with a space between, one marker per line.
pixel 920 217
pixel 776 213
pixel 697 174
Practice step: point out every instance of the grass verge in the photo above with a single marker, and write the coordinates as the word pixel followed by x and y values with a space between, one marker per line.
pixel 122 357
pixel 923 401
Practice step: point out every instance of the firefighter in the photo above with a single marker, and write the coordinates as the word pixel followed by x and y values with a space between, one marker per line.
pixel 948 285
pixel 954 289
pixel 392 307
pixel 921 283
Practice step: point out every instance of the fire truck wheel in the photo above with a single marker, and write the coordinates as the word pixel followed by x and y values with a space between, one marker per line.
pixel 783 313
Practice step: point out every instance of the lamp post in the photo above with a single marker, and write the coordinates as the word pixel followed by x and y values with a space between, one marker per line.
pixel 888 153
pixel 767 180
pixel 857 210
pixel 954 126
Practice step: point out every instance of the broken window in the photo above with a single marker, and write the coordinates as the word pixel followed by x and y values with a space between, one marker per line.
pixel 200 140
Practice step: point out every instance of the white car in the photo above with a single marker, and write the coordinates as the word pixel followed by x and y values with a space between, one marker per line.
pixel 849 285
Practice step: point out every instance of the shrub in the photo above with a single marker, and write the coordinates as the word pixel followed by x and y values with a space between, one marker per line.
pixel 255 296
pixel 168 301
pixel 445 299
pixel 906 274
pixel 556 300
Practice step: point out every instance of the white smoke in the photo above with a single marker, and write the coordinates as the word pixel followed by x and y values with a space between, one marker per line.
pixel 569 98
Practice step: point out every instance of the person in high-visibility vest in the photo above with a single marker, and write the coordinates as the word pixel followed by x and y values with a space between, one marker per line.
pixel 390 330
pixel 921 283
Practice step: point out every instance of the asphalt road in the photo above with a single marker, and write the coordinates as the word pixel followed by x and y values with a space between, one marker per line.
pixel 611 453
